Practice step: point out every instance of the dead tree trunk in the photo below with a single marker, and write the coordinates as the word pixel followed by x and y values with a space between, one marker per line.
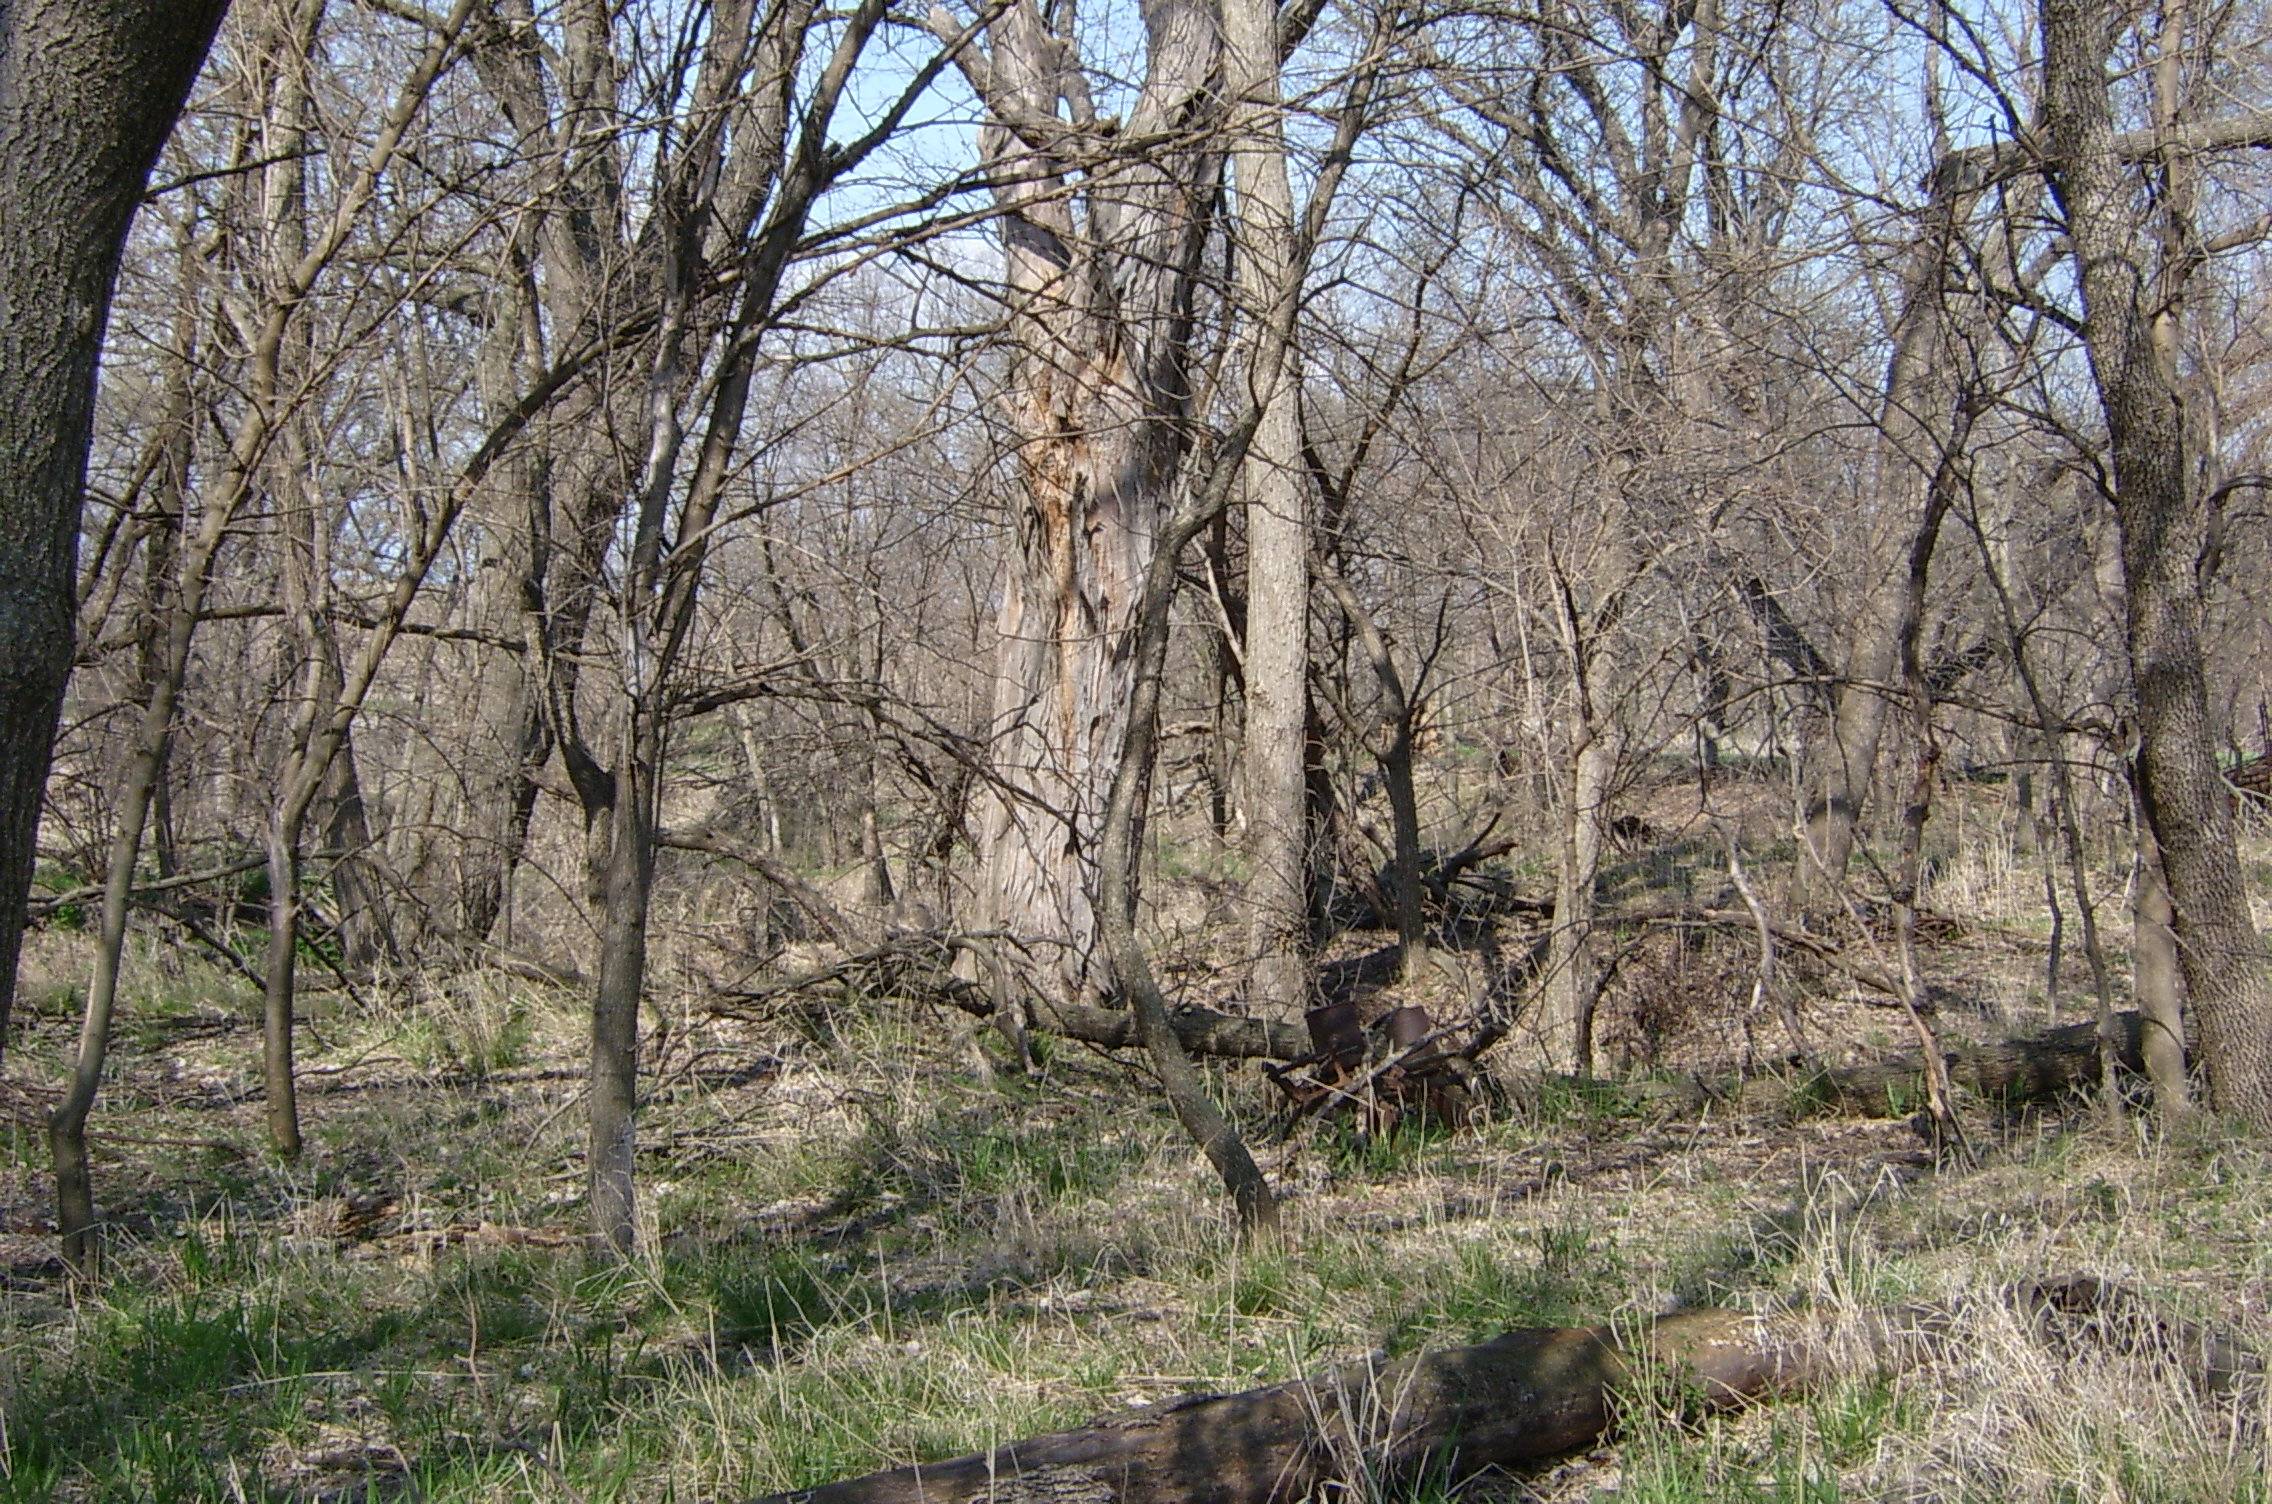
pixel 1101 280
pixel 1446 1417
pixel 2011 1073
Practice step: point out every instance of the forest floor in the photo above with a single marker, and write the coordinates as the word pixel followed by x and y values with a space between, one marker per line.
pixel 858 1253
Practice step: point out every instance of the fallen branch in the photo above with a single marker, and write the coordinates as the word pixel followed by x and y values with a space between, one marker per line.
pixel 45 905
pixel 916 967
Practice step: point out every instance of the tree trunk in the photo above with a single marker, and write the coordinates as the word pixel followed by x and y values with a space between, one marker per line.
pixel 1597 746
pixel 1277 527
pixel 2157 981
pixel 277 1075
pixel 2007 1074
pixel 89 90
pixel 1060 708
pixel 2164 520
pixel 1101 313
pixel 1573 972
pixel 513 734
pixel 364 918
pixel 614 1075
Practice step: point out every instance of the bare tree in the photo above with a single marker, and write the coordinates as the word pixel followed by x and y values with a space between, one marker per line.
pixel 750 130
pixel 1278 539
pixel 269 404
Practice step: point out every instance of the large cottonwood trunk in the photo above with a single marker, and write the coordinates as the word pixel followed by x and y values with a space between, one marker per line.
pixel 2164 519
pixel 1101 313
pixel 1090 513
pixel 89 90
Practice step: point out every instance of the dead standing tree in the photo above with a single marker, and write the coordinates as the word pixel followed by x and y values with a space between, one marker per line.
pixel 1104 229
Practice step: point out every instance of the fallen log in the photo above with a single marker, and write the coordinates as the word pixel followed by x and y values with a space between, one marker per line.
pixel 1449 1414
pixel 2009 1073
pixel 916 967
pixel 2217 1360
pixel 1522 1397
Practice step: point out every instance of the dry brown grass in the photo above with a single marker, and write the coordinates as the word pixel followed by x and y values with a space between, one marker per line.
pixel 855 1254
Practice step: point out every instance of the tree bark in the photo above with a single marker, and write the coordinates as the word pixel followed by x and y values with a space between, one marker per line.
pixel 278 1077
pixel 2157 981
pixel 614 1069
pixel 1446 1415
pixel 1101 314
pixel 1277 527
pixel 1597 664
pixel 89 90
pixel 2164 519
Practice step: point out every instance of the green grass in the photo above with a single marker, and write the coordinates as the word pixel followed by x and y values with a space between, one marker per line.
pixel 857 1258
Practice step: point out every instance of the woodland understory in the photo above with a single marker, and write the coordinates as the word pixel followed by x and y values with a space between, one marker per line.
pixel 761 742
